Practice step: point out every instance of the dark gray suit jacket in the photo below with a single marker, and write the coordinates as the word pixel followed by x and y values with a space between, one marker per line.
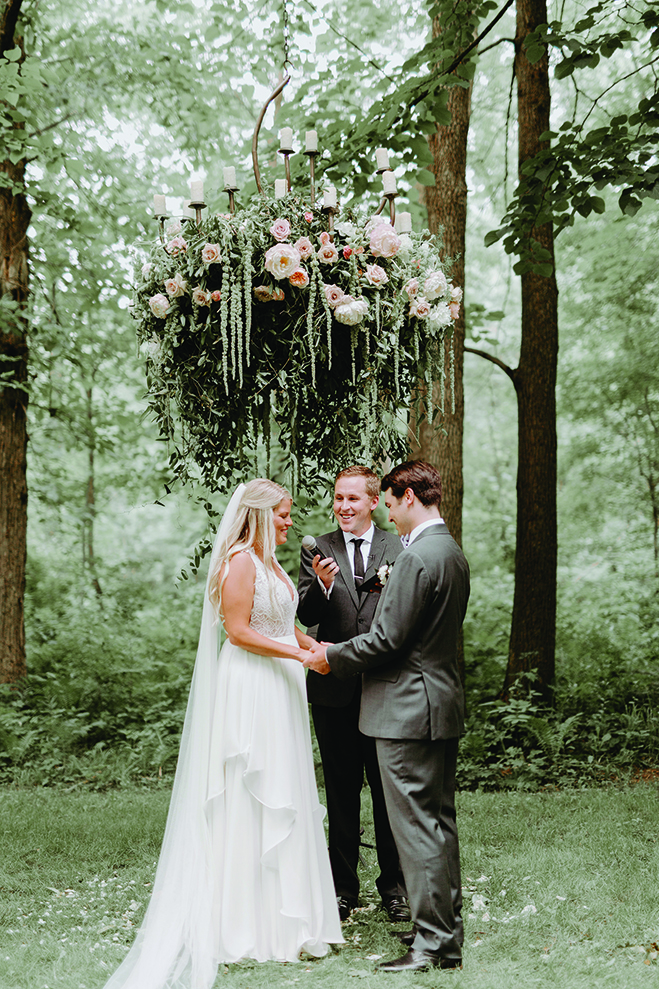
pixel 348 612
pixel 411 686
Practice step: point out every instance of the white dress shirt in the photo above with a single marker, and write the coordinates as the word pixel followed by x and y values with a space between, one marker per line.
pixel 419 529
pixel 364 549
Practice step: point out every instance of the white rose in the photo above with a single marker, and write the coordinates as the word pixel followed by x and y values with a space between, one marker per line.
pixel 282 260
pixel 347 230
pixel 352 312
pixel 456 293
pixel 147 269
pixel 435 285
pixel 440 315
pixel 159 304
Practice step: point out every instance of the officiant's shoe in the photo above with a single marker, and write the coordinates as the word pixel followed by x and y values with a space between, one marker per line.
pixel 346 905
pixel 413 961
pixel 397 908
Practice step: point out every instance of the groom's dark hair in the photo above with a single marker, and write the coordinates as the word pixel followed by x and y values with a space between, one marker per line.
pixel 421 477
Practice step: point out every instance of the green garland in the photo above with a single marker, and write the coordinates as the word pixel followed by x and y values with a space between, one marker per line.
pixel 258 320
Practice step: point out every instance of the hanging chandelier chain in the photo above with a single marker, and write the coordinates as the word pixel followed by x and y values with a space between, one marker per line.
pixel 286 32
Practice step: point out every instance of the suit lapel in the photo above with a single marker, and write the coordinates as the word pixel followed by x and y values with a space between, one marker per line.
pixel 376 554
pixel 341 557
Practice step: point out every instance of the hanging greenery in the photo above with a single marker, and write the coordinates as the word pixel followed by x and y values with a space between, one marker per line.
pixel 261 321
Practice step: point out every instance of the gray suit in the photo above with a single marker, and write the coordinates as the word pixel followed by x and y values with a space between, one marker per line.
pixel 413 704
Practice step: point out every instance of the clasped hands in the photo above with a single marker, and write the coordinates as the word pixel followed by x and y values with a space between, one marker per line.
pixel 316 659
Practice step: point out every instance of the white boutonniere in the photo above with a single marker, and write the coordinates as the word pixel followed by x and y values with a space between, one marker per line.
pixel 384 573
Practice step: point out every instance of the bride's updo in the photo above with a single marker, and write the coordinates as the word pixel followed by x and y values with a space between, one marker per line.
pixel 253 528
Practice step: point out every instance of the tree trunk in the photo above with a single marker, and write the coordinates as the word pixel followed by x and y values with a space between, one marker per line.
pixel 533 628
pixel 14 221
pixel 89 559
pixel 446 203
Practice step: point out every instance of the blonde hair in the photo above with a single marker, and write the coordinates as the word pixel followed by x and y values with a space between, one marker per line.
pixel 253 528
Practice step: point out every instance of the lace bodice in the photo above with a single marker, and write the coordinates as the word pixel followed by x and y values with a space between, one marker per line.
pixel 265 618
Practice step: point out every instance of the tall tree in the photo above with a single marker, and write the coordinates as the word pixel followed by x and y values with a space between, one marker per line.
pixel 14 221
pixel 533 628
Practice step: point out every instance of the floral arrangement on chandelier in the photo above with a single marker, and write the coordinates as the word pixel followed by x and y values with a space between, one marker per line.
pixel 275 318
pixel 262 318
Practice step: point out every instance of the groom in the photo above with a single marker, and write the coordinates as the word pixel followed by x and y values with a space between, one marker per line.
pixel 413 704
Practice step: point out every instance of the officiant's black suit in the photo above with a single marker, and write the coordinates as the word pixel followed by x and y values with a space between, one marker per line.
pixel 413 705
pixel 335 704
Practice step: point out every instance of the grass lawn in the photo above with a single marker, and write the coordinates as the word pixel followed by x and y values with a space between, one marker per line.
pixel 562 889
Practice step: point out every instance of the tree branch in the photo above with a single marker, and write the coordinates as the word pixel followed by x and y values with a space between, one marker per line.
pixel 486 30
pixel 512 374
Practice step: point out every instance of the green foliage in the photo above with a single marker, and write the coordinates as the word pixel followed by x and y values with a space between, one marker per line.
pixel 333 339
pixel 619 152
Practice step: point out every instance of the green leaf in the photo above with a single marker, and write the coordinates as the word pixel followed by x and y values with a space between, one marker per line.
pixel 425 177
pixel 13 54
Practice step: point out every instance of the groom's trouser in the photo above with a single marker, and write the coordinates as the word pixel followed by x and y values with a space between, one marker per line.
pixel 418 777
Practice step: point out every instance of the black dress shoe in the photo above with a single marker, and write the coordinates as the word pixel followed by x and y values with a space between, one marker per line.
pixel 450 963
pixel 406 937
pixel 346 905
pixel 397 908
pixel 413 961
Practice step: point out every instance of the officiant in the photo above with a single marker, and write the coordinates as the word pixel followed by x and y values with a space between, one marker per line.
pixel 339 587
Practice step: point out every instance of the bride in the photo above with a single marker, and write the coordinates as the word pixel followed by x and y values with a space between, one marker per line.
pixel 244 870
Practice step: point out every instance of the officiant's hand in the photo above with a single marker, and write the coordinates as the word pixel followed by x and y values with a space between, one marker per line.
pixel 317 660
pixel 326 570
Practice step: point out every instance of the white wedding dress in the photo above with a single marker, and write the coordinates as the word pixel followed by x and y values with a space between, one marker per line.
pixel 244 870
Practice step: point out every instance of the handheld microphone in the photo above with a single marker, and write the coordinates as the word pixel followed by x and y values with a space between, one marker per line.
pixel 309 543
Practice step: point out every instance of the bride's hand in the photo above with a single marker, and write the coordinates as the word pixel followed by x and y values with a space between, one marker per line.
pixel 303 655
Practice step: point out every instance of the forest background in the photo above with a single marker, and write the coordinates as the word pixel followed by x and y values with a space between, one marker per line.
pixel 126 100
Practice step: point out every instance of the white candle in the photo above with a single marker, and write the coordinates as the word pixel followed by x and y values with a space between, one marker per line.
pixel 160 205
pixel 404 223
pixel 280 188
pixel 388 182
pixel 229 177
pixel 329 197
pixel 197 192
pixel 286 139
pixel 382 158
pixel 311 140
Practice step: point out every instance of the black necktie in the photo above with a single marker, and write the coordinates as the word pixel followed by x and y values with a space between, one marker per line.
pixel 359 563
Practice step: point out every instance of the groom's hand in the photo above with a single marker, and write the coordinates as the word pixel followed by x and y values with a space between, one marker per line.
pixel 317 660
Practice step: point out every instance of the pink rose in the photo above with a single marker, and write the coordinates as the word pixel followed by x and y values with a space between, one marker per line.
pixel 280 230
pixel 176 246
pixel 175 286
pixel 384 242
pixel 201 297
pixel 454 309
pixel 159 304
pixel 412 288
pixel 282 260
pixel 299 278
pixel 278 295
pixel 420 307
pixel 456 293
pixel 359 250
pixel 263 293
pixel 347 251
pixel 210 253
pixel 327 253
pixel 325 238
pixel 376 275
pixel 216 296
pixel 334 294
pixel 304 246
pixel 308 216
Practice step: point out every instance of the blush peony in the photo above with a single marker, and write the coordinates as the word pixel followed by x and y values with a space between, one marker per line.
pixel 384 242
pixel 435 285
pixel 159 304
pixel 351 312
